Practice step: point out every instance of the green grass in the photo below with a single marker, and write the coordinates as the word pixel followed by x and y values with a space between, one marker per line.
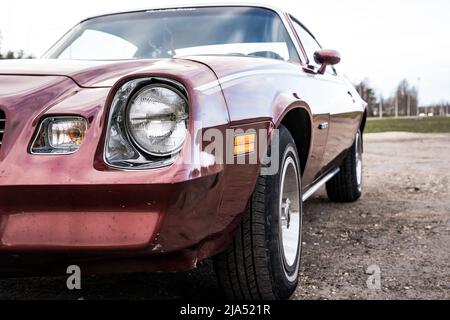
pixel 420 125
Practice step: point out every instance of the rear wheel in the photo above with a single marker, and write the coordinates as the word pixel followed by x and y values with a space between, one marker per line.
pixel 263 261
pixel 347 185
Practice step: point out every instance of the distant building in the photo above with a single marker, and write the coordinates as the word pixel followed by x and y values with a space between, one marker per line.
pixel 437 111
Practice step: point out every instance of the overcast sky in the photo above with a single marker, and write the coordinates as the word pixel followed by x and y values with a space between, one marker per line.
pixel 382 40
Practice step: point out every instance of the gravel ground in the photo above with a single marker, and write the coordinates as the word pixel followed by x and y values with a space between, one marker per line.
pixel 401 227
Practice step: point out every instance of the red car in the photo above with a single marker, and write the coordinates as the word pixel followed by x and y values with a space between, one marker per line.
pixel 153 140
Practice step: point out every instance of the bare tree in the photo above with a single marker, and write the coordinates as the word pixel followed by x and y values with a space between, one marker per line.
pixel 368 94
pixel 406 98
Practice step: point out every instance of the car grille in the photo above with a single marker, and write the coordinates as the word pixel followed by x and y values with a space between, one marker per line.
pixel 2 126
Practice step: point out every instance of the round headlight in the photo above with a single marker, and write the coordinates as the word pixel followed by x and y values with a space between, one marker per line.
pixel 157 120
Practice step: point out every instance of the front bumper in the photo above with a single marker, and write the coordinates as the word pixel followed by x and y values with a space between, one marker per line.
pixel 158 217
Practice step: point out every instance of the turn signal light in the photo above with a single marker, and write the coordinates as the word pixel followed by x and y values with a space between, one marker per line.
pixel 60 135
pixel 244 144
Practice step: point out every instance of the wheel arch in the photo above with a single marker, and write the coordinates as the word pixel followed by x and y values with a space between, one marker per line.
pixel 298 120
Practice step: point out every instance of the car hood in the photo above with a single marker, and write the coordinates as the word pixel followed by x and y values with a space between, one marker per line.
pixel 104 74
pixel 87 74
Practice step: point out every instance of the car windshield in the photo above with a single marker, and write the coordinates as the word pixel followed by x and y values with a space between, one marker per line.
pixel 171 33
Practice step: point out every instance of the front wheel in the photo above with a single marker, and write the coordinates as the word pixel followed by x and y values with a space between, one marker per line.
pixel 263 261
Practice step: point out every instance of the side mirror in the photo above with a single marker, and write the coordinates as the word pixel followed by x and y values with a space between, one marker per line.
pixel 327 58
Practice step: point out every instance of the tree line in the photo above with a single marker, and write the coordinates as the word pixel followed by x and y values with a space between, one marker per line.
pixel 13 54
pixel 403 102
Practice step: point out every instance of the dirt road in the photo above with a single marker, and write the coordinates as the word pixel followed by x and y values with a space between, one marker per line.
pixel 401 227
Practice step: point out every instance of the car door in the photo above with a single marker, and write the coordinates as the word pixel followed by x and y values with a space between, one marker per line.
pixel 332 92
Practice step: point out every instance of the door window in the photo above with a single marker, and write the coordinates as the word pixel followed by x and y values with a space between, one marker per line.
pixel 308 42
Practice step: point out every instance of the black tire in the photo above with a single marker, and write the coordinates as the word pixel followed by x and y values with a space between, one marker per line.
pixel 255 266
pixel 346 186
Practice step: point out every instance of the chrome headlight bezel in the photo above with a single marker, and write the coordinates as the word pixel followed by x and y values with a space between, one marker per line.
pixel 118 136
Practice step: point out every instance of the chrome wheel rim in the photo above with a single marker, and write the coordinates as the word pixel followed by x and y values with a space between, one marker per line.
pixel 290 212
pixel 359 161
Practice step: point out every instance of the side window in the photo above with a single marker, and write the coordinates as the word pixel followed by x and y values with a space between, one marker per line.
pixel 309 43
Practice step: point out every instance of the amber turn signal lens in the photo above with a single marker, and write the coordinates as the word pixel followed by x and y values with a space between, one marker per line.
pixel 244 144
pixel 244 139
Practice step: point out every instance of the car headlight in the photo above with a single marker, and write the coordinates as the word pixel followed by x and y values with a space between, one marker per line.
pixel 157 120
pixel 59 135
pixel 148 124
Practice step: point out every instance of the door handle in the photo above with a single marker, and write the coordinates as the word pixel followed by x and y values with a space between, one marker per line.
pixel 324 125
